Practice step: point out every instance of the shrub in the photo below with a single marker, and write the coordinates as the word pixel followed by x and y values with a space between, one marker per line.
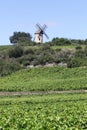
pixel 77 62
pixel 78 48
pixel 45 47
pixel 8 66
pixel 26 59
pixel 26 63
pixel 79 53
pixel 73 62
pixel 17 51
pixel 29 51
pixel 61 41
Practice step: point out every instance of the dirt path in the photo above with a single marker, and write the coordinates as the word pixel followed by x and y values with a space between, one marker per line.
pixel 40 92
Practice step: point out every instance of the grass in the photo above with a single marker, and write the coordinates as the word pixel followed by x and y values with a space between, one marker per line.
pixel 37 47
pixel 64 47
pixel 6 47
pixel 45 78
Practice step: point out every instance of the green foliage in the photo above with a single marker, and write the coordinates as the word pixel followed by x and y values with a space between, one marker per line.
pixel 79 58
pixel 44 54
pixel 2 48
pixel 79 54
pixel 77 62
pixel 78 47
pixel 26 60
pixel 7 67
pixel 74 62
pixel 48 112
pixel 15 52
pixel 45 78
pixel 20 38
pixel 45 47
pixel 85 41
pixel 77 42
pixel 61 41
pixel 65 41
pixel 29 51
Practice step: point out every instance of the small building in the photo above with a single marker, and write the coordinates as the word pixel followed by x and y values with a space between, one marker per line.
pixel 38 37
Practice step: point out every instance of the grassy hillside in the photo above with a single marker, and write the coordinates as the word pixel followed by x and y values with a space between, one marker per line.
pixel 45 78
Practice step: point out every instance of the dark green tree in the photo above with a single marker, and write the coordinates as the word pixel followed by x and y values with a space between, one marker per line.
pixel 20 38
pixel 61 41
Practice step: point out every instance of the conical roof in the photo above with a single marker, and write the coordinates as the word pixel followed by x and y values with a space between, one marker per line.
pixel 39 31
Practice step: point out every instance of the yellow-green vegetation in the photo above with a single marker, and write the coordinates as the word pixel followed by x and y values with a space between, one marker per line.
pixel 2 48
pixel 65 47
pixel 13 58
pixel 45 78
pixel 47 112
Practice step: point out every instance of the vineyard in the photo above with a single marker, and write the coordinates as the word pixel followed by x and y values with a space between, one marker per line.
pixel 43 110
pixel 47 112
pixel 45 78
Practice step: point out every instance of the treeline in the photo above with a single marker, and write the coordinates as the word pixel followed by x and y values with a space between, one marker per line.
pixel 65 41
pixel 23 39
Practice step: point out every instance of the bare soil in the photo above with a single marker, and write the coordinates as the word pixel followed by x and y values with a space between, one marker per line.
pixel 40 92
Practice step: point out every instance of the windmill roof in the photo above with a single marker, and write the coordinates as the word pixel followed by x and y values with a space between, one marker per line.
pixel 38 31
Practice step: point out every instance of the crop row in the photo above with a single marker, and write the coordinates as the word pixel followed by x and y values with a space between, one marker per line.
pixel 48 112
pixel 45 78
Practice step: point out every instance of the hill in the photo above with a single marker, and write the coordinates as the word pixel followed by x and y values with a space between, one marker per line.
pixel 50 111
pixel 45 78
pixel 14 58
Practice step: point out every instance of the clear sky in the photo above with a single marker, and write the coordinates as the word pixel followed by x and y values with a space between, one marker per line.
pixel 64 18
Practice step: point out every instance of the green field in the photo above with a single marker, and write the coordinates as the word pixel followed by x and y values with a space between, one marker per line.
pixel 45 78
pixel 45 112
pixel 46 106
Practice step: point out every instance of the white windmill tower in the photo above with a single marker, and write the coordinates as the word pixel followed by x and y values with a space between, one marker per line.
pixel 38 35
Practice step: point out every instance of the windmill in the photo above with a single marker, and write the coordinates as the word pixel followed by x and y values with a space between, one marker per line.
pixel 38 35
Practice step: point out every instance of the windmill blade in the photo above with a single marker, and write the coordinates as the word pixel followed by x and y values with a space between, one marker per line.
pixel 44 27
pixel 39 27
pixel 45 35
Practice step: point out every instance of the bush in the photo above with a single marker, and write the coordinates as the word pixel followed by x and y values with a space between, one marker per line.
pixel 45 47
pixel 7 67
pixel 74 62
pixel 29 51
pixel 77 62
pixel 16 52
pixel 61 41
pixel 78 48
pixel 79 54
pixel 26 63
pixel 26 59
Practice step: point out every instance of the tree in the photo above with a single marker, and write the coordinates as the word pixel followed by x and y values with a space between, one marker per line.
pixel 61 41
pixel 20 38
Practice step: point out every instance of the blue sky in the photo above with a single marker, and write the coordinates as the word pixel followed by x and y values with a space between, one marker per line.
pixel 64 18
